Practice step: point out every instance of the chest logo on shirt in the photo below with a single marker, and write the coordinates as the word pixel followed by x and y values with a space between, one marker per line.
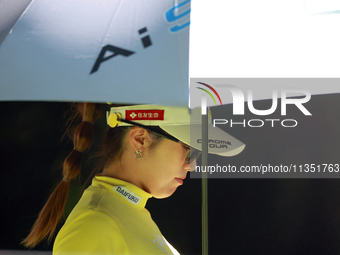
pixel 127 195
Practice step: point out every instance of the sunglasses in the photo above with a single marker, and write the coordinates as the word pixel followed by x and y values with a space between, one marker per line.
pixel 193 153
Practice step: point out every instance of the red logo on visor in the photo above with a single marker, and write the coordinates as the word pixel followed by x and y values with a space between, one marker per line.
pixel 144 114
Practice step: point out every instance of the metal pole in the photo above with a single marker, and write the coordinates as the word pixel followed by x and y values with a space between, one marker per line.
pixel 204 178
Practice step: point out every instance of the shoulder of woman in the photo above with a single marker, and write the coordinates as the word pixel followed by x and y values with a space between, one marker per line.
pixel 92 232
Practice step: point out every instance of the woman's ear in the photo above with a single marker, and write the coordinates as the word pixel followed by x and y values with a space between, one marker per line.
pixel 139 138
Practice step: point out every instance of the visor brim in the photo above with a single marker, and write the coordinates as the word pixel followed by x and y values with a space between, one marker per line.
pixel 219 143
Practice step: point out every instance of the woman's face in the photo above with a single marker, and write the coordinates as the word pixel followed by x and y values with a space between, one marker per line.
pixel 161 168
pixel 164 168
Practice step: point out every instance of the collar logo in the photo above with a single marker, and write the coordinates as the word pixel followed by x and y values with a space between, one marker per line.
pixel 128 195
pixel 144 114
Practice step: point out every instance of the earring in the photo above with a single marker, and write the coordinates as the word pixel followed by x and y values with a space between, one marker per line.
pixel 138 154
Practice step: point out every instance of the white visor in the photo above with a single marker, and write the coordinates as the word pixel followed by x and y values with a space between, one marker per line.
pixel 179 122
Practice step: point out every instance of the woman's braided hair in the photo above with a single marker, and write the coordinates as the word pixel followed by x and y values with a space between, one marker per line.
pixel 45 225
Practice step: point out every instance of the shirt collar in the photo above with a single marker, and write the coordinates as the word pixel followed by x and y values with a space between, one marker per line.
pixel 124 190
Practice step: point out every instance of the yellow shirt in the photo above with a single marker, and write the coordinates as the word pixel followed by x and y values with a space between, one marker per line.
pixel 111 218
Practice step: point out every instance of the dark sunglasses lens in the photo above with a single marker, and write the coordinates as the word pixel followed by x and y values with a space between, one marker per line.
pixel 192 156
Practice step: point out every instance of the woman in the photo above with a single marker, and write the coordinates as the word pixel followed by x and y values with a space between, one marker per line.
pixel 145 153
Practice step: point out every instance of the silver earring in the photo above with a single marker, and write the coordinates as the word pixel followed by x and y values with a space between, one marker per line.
pixel 138 154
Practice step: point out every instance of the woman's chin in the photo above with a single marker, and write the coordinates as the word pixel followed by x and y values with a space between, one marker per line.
pixel 164 194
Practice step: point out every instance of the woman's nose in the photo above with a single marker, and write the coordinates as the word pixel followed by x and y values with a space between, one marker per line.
pixel 192 166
